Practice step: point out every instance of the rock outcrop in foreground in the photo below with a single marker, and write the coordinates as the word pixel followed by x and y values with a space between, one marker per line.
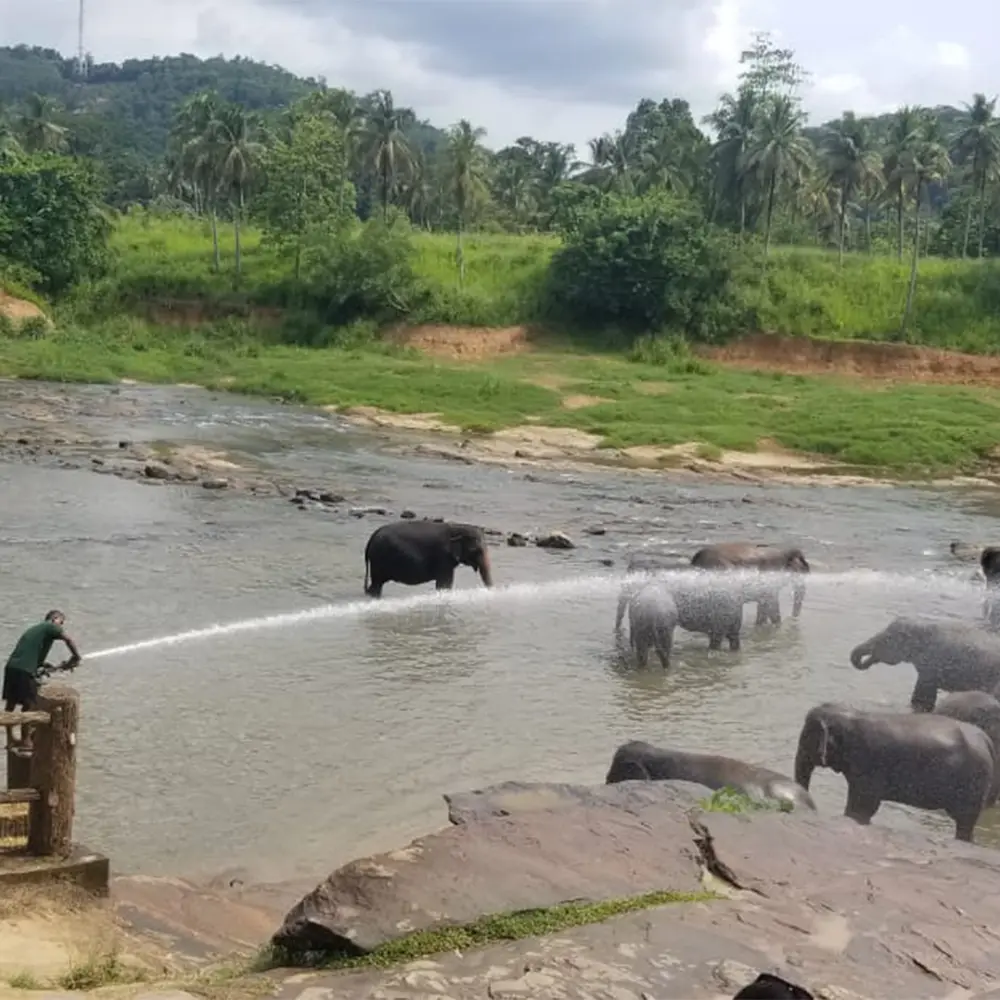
pixel 845 910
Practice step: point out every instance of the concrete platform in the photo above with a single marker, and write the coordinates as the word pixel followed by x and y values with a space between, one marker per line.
pixel 83 867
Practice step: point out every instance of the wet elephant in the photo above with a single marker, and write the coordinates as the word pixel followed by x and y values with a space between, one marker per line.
pixel 948 656
pixel 640 761
pixel 989 563
pixel 770 987
pixel 763 559
pixel 978 709
pixel 415 552
pixel 657 608
pixel 925 761
pixel 644 565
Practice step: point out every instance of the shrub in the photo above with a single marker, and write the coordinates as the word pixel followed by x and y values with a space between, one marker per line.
pixel 643 264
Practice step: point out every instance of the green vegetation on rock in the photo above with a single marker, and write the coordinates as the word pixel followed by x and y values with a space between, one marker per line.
pixel 732 800
pixel 485 931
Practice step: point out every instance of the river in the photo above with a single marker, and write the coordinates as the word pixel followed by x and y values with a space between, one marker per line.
pixel 289 751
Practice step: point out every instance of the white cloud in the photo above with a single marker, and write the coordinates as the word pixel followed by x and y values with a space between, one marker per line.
pixel 557 69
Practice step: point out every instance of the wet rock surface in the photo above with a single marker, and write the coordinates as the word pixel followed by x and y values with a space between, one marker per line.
pixel 844 910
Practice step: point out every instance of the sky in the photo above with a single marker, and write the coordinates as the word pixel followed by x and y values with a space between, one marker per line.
pixel 564 70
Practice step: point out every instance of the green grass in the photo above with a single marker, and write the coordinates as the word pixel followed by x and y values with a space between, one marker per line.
pixel 731 800
pixel 806 292
pixel 917 430
pixel 486 931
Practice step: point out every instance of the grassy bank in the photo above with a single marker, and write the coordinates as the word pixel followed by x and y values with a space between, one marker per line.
pixel 806 292
pixel 885 428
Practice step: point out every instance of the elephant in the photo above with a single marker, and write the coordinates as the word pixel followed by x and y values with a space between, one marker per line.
pixel 764 558
pixel 648 564
pixel 989 563
pixel 950 656
pixel 925 761
pixel 978 709
pixel 769 987
pixel 414 552
pixel 640 761
pixel 657 608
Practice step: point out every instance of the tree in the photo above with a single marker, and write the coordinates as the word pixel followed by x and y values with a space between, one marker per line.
pixel 304 174
pixel 386 149
pixel 852 163
pixel 466 178
pixel 780 154
pixel 236 152
pixel 735 121
pixel 55 226
pixel 977 145
pixel 770 72
pixel 926 160
pixel 904 135
pixel 39 131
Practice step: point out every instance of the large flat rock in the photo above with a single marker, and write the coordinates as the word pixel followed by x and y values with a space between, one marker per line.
pixel 513 847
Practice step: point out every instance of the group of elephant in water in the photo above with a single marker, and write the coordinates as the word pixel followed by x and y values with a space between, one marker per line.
pixel 940 756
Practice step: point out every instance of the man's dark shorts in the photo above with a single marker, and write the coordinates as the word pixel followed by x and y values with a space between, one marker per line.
pixel 20 688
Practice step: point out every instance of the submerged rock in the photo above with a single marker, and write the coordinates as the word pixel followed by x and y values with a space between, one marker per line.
pixel 555 540
pixel 516 540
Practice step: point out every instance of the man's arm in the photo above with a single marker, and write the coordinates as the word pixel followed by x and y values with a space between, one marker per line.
pixel 74 652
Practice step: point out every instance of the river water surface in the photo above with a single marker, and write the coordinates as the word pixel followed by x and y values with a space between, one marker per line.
pixel 292 750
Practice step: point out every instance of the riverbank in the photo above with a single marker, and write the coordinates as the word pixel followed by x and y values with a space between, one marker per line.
pixel 867 414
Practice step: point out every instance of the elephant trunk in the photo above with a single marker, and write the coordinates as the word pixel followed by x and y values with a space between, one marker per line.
pixel 805 760
pixel 863 655
pixel 486 569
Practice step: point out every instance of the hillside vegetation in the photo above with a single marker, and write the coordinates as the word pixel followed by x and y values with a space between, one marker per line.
pixel 259 232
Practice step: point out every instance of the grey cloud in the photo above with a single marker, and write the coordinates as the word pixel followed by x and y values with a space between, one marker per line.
pixel 580 50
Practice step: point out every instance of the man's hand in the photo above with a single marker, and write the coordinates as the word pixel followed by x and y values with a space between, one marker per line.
pixel 70 664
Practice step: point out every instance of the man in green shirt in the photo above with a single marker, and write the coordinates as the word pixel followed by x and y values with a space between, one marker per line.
pixel 20 676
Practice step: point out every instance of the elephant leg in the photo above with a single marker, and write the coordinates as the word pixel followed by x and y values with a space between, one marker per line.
pixel 446 579
pixel 641 654
pixel 761 618
pixel 715 640
pixel 924 695
pixel 374 589
pixel 862 804
pixel 734 641
pixel 620 613
pixel 769 610
pixel 965 823
pixel 664 642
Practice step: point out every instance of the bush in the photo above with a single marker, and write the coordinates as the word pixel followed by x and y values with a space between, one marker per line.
pixel 364 272
pixel 644 264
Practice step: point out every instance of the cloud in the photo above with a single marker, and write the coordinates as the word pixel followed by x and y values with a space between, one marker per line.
pixel 555 69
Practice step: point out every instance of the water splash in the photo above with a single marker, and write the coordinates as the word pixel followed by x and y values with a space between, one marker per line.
pixel 938 584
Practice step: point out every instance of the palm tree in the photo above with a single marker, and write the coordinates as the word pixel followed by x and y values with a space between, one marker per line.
pixel 196 166
pixel 10 148
pixel 904 132
pixel 780 154
pixel 614 161
pixel 926 161
pixel 385 145
pixel 978 145
pixel 466 177
pixel 851 163
pixel 237 152
pixel 38 130
pixel 735 122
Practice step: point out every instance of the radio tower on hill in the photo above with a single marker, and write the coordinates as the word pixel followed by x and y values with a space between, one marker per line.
pixel 81 60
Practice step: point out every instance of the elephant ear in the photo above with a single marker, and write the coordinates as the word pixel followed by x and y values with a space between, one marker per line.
pixel 462 542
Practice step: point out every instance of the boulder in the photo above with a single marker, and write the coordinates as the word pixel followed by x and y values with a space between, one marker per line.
pixel 156 470
pixel 512 847
pixel 516 540
pixel 555 540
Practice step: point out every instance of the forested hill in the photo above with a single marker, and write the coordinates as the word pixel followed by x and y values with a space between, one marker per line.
pixel 130 106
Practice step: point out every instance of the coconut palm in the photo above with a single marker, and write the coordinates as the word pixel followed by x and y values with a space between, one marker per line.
pixel 237 152
pixel 926 161
pixel 466 178
pixel 977 145
pixel 10 148
pixel 904 132
pixel 780 154
pixel 851 161
pixel 384 145
pixel 39 132
pixel 735 121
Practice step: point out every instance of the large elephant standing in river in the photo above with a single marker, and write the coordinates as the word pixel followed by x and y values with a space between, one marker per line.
pixel 948 656
pixel 925 761
pixel 640 761
pixel 764 559
pixel 415 552
pixel 978 709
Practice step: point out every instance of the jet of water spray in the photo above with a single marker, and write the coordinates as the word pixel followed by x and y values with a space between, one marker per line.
pixel 593 585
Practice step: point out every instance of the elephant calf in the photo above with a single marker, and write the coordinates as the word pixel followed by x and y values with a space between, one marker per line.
pixel 414 552
pixel 921 760
pixel 950 656
pixel 639 761
pixel 652 618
